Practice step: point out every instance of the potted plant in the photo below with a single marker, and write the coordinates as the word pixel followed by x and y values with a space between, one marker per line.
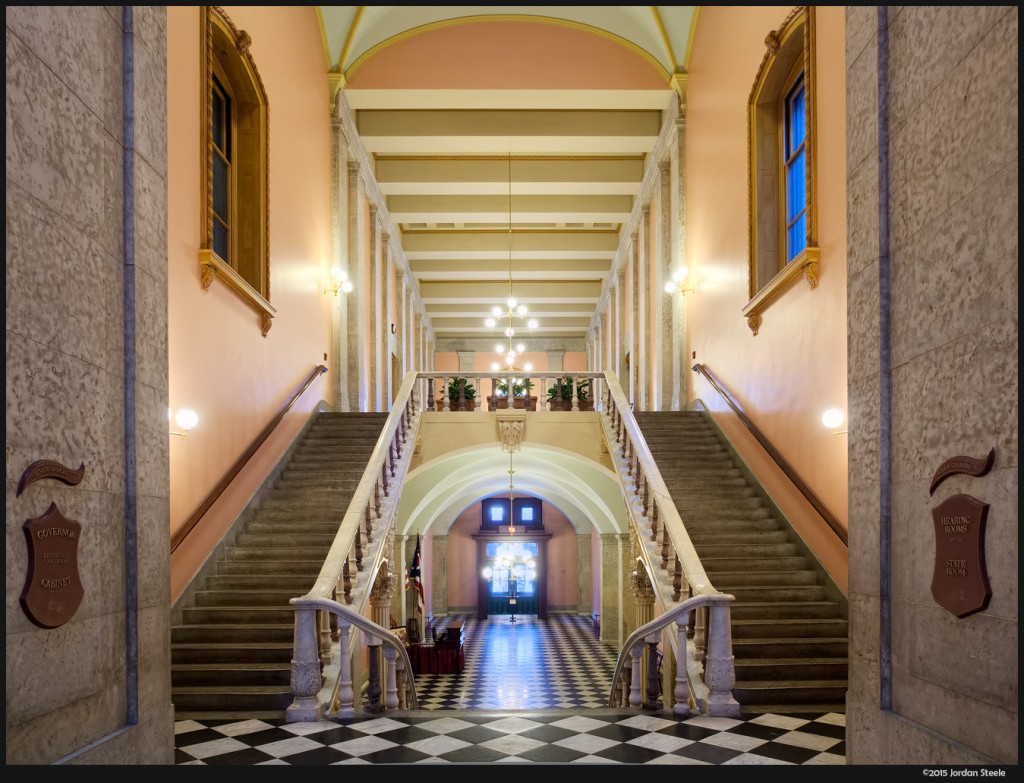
pixel 461 387
pixel 499 396
pixel 521 397
pixel 560 394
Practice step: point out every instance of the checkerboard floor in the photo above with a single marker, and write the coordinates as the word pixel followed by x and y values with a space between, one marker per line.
pixel 531 691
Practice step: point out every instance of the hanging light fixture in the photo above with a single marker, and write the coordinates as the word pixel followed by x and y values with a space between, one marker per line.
pixel 513 309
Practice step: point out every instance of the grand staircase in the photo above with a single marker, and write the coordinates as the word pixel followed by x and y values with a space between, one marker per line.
pixel 231 655
pixel 789 630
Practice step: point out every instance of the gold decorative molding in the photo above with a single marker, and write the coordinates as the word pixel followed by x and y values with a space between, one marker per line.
pixel 213 268
pixel 511 428
pixel 806 263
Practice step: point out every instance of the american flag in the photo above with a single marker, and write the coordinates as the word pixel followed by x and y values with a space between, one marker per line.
pixel 413 580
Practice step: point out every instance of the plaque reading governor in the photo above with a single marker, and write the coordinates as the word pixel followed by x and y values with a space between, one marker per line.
pixel 959 582
pixel 53 589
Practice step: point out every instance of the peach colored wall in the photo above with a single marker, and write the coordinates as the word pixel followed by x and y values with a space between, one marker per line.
pixel 795 368
pixel 574 361
pixel 219 364
pixel 463 569
pixel 476 55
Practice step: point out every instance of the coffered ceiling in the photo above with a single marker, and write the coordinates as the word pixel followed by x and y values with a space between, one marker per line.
pixel 510 143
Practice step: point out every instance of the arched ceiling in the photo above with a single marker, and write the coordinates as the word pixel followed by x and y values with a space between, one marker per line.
pixel 510 143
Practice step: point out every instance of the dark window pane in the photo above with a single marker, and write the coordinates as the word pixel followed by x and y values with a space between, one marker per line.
pixel 220 187
pixel 796 187
pixel 220 240
pixel 218 119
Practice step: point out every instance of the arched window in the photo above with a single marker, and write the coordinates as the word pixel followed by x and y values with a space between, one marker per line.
pixel 780 143
pixel 235 198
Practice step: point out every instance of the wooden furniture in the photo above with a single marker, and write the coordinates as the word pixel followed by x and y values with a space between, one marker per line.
pixel 449 646
pixel 423 658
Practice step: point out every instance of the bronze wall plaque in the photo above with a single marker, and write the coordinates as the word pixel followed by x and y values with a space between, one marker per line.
pixel 48 468
pixel 53 589
pixel 959 582
pixel 971 466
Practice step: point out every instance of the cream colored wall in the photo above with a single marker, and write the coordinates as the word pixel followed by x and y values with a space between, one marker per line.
pixel 795 367
pixel 219 363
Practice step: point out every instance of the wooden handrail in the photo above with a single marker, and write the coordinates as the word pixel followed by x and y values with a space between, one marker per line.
pixel 814 500
pixel 234 470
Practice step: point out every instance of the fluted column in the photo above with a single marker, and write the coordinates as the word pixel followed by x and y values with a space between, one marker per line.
pixel 439 580
pixel 664 344
pixel 338 358
pixel 388 339
pixel 585 574
pixel 375 300
pixel 357 298
pixel 634 329
pixel 681 361
pixel 417 342
pixel 401 320
pixel 643 333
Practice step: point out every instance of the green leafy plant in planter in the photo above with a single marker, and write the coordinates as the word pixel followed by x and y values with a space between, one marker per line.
pixel 560 394
pixel 521 389
pixel 457 385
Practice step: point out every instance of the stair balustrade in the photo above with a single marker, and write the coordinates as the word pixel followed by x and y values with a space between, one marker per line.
pixel 323 645
pixel 674 568
pixel 437 397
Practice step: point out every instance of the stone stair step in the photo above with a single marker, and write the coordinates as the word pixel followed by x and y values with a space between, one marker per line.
pixel 272 553
pixel 789 628
pixel 301 584
pixel 235 654
pixel 223 615
pixel 773 593
pixel 206 675
pixel 244 597
pixel 295 526
pixel 737 548
pixel 785 647
pixel 303 567
pixel 780 669
pixel 769 610
pixel 266 697
pixel 284 539
pixel 241 633
pixel 756 578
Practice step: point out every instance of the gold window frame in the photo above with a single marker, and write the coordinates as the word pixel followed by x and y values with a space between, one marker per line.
pixel 247 273
pixel 769 274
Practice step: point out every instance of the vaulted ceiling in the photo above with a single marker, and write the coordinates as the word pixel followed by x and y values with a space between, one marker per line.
pixel 510 143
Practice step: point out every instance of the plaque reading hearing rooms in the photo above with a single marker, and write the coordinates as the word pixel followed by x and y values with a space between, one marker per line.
pixel 959 582
pixel 53 589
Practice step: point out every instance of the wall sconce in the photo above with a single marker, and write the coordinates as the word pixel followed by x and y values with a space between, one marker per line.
pixel 186 419
pixel 676 283
pixel 833 418
pixel 339 282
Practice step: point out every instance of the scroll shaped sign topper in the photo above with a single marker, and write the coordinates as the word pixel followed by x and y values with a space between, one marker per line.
pixel 53 588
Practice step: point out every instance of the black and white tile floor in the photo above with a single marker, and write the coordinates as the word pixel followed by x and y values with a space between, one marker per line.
pixel 537 695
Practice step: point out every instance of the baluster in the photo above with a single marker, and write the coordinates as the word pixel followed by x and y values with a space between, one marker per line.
pixel 700 633
pixel 634 689
pixel 625 677
pixel 373 686
pixel 376 499
pixel 720 670
pixel 681 706
pixel 575 393
pixel 344 702
pixel 333 617
pixel 358 546
pixel 368 519
pixel 323 623
pixel 390 684
pixel 646 496
pixel 664 548
pixel 653 701
pixel 305 675
pixel 446 403
pixel 677 580
pixel 346 580
pixel 654 523
pixel 382 484
pixel 432 405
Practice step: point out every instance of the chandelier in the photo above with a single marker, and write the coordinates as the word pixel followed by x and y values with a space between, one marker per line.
pixel 513 309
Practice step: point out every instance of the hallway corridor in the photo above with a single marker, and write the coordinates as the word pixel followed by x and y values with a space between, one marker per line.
pixel 531 691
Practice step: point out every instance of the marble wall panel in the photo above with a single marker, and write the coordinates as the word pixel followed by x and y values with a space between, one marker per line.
pixel 151 95
pixel 864 429
pixel 863 323
pixel 71 40
pixel 57 149
pixel 960 273
pixel 62 290
pixel 861 30
pixel 150 221
pixel 154 552
pixel 154 679
pixel 862 240
pixel 961 399
pixel 963 135
pixel 151 339
pixel 864 527
pixel 53 673
pixel 150 25
pixel 923 68
pixel 862 106
pixel 66 410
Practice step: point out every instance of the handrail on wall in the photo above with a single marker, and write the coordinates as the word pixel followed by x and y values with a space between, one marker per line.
pixel 181 533
pixel 791 474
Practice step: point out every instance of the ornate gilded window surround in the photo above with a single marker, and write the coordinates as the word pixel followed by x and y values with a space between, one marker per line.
pixel 769 274
pixel 247 272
